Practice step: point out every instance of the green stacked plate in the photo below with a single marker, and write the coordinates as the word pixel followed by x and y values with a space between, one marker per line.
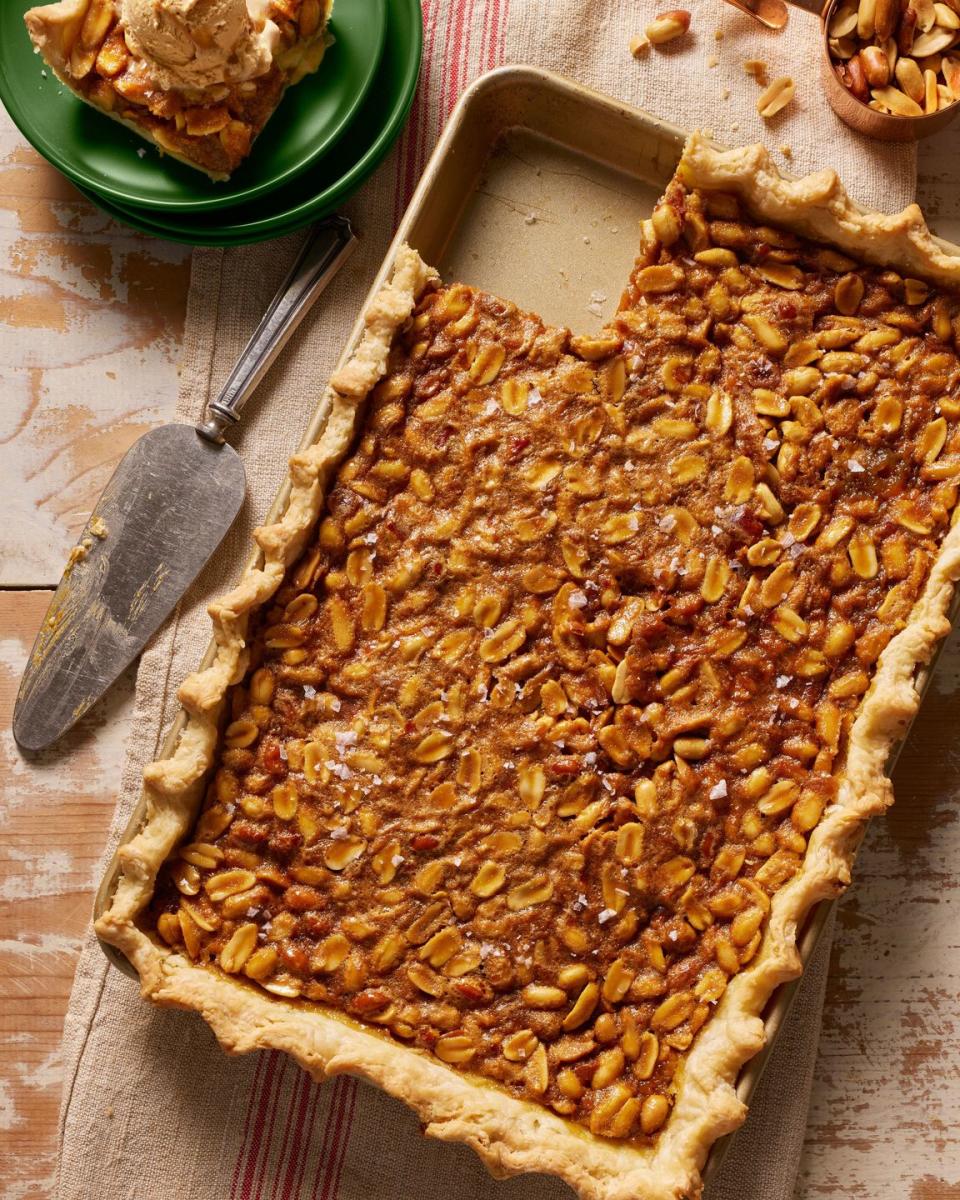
pixel 328 135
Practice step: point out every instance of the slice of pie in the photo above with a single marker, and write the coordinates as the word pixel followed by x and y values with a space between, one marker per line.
pixel 199 78
pixel 536 736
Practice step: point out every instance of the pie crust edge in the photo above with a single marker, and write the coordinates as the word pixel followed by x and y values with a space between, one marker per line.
pixel 509 1134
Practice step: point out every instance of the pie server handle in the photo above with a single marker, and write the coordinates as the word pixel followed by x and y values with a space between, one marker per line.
pixel 329 245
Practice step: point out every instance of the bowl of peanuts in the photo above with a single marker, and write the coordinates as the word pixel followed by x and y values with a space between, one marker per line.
pixel 892 67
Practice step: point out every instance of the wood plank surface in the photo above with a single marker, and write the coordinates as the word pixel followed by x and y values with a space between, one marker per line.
pixel 86 308
pixel 54 817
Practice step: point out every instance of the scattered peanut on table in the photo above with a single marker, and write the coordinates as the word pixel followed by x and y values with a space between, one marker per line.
pixel 668 26
pixel 776 97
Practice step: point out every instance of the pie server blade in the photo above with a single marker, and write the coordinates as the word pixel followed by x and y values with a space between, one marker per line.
pixel 164 512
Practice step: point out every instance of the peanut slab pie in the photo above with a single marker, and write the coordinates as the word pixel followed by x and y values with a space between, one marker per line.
pixel 539 731
pixel 198 78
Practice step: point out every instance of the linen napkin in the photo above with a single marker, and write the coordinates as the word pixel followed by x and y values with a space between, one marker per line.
pixel 152 1109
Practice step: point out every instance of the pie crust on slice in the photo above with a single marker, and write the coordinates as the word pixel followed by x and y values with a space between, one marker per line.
pixel 537 734
pixel 211 128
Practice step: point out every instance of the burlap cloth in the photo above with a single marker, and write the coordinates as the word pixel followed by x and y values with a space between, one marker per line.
pixel 152 1109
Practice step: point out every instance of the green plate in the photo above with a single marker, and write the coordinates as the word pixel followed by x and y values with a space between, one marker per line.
pixel 327 184
pixel 104 156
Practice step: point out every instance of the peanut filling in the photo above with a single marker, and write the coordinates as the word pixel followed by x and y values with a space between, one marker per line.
pixel 543 720
pixel 214 128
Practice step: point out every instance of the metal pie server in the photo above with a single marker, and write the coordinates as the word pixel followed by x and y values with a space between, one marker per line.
pixel 164 512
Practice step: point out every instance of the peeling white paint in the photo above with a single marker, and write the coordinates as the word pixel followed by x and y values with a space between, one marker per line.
pixel 48 1074
pixel 9 1117
pixel 47 875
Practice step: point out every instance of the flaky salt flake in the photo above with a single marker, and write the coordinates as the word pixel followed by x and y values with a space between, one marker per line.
pixel 309 692
pixel 577 599
pixel 605 915
pixel 854 467
pixel 396 860
pixel 282 752
pixel 534 397
pixel 718 791
pixel 340 833
pixel 590 758
pixel 335 704
pixel 580 903
pixel 667 523
pixel 782 681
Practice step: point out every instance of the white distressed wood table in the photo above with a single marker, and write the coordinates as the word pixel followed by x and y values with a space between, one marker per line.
pixel 85 308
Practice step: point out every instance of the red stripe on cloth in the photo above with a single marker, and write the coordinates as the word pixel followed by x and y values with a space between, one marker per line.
pixel 333 1157
pixel 493 38
pixel 293 1183
pixel 250 1151
pixel 352 1088
pixel 323 1156
pixel 452 65
pixel 337 1127
pixel 406 155
pixel 484 32
pixel 502 48
pixel 251 1109
pixel 446 58
pixel 465 71
pixel 272 1111
pixel 416 156
pixel 292 1136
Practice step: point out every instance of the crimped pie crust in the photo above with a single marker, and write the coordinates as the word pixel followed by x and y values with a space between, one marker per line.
pixel 513 1135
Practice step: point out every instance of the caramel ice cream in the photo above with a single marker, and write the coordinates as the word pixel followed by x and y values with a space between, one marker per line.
pixel 190 45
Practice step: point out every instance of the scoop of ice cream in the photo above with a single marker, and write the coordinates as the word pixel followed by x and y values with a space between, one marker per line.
pixel 195 44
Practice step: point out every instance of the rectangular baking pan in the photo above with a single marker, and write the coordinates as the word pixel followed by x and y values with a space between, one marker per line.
pixel 534 192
